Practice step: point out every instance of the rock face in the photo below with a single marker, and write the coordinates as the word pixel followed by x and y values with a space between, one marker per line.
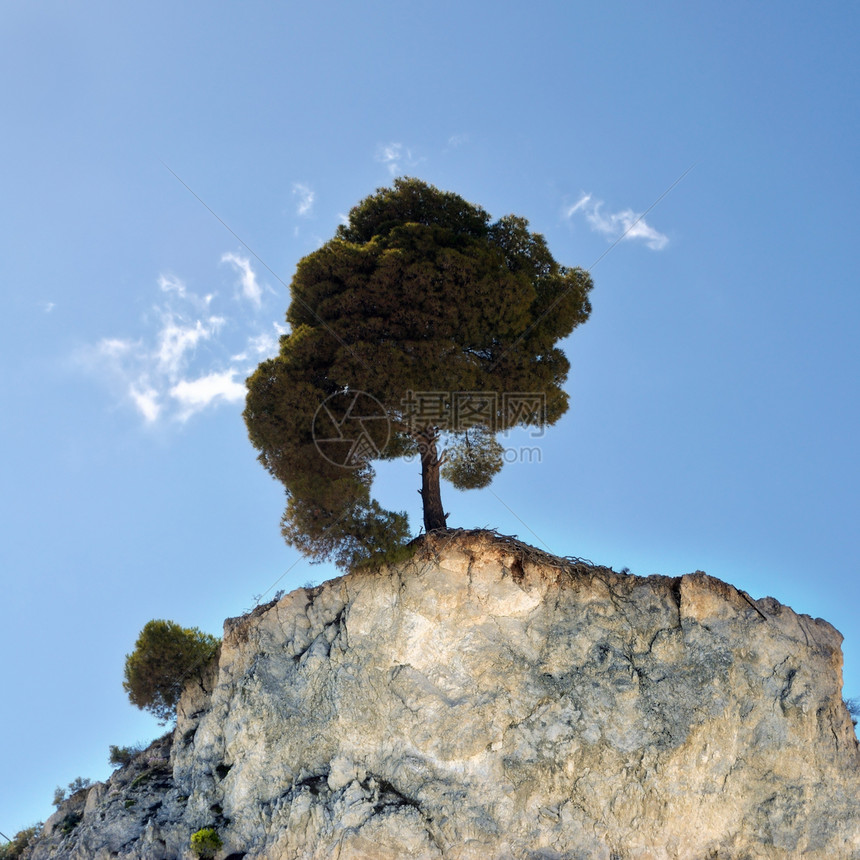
pixel 484 700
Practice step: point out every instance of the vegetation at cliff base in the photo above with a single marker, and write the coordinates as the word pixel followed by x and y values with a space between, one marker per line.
pixel 16 847
pixel 422 329
pixel 165 656
pixel 206 843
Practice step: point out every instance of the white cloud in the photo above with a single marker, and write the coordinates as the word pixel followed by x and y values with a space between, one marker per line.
pixel 457 140
pixel 263 344
pixel 306 198
pixel 251 290
pixel 171 284
pixel 626 225
pixel 114 346
pixel 176 339
pixel 47 307
pixel 389 155
pixel 186 357
pixel 146 401
pixel 260 345
pixel 394 156
pixel 581 203
pixel 193 395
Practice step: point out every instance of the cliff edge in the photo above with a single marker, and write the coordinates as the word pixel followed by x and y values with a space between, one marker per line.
pixel 486 700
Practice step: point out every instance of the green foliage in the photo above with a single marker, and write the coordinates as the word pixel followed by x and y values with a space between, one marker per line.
pixel 143 778
pixel 419 292
pixel 206 842
pixel 70 822
pixel 474 461
pixel 15 849
pixel 121 756
pixel 77 784
pixel 395 554
pixel 165 656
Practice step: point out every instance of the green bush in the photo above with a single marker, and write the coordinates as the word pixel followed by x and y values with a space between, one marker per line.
pixel 15 849
pixel 206 843
pixel 70 822
pixel 78 783
pixel 121 756
pixel 164 657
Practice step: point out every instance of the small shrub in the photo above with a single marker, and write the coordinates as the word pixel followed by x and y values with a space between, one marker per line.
pixel 70 822
pixel 121 756
pixel 853 706
pixel 146 775
pixel 78 784
pixel 206 843
pixel 15 849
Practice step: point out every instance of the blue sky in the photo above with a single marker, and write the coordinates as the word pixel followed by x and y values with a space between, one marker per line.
pixel 714 410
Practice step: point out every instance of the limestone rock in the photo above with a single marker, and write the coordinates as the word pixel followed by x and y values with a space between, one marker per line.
pixel 485 700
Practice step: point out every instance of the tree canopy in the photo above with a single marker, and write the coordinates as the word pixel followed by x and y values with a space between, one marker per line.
pixel 422 328
pixel 165 656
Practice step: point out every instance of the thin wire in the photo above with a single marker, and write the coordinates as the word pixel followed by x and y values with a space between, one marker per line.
pixel 330 526
pixel 306 306
pixel 559 298
pixel 627 231
pixel 277 277
pixel 524 523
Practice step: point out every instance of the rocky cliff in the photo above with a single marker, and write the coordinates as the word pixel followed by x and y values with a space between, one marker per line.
pixel 485 700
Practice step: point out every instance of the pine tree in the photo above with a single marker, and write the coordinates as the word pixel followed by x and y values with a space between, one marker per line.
pixel 422 328
pixel 165 656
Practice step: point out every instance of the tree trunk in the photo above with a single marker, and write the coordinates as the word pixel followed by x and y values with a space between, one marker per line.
pixel 431 496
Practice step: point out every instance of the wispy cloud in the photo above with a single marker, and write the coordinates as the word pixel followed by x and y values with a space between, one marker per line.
pixel 261 345
pixel 251 288
pixel 172 284
pixel 146 401
pixel 580 204
pixel 626 224
pixel 178 337
pixel 194 395
pixel 395 156
pixel 305 198
pixel 187 357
